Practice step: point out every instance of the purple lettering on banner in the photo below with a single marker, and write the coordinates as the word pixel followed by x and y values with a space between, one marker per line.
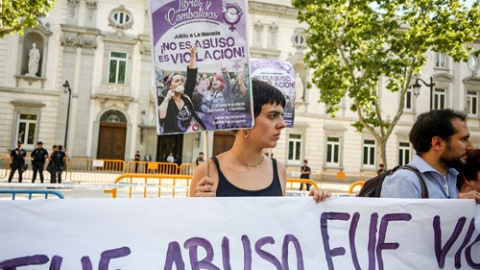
pixel 372 240
pixel 107 255
pixel 226 253
pixel 192 244
pixel 174 255
pixel 298 251
pixel 86 263
pixel 247 253
pixel 23 261
pixel 383 233
pixel 351 235
pixel 266 255
pixel 468 254
pixel 329 253
pixel 468 236
pixel 440 252
pixel 55 263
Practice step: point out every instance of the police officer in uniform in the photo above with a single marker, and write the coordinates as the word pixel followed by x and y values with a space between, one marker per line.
pixel 18 160
pixel 51 165
pixel 59 158
pixel 39 156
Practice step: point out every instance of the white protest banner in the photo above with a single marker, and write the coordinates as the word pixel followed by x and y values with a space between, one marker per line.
pixel 214 92
pixel 239 233
pixel 281 75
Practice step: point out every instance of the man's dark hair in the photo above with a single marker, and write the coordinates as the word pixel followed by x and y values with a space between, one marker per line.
pixel 264 93
pixel 431 124
pixel 305 161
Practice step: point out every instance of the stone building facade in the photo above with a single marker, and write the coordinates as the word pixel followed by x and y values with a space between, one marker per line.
pixel 102 48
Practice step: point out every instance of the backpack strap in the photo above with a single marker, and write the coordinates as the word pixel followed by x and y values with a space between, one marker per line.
pixel 423 186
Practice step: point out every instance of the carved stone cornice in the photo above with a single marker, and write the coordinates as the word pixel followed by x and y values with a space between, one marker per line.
pixel 87 43
pixel 69 41
pixel 272 9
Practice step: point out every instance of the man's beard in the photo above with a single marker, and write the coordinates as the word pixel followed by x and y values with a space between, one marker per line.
pixel 450 160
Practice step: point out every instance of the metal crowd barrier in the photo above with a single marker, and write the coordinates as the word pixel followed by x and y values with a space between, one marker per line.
pixel 187 168
pixel 30 193
pixel 295 183
pixel 167 185
pixel 354 185
pixel 151 185
pixel 4 165
pixel 152 167
pixel 94 170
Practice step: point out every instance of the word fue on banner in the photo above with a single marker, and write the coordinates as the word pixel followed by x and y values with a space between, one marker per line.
pixel 376 245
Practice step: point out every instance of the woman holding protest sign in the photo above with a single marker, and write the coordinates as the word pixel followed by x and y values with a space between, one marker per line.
pixel 175 107
pixel 244 170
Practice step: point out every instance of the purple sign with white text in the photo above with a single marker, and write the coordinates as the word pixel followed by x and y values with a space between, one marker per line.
pixel 201 65
pixel 281 75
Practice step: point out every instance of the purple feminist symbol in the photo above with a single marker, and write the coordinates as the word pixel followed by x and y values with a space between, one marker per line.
pixel 232 15
pixel 237 65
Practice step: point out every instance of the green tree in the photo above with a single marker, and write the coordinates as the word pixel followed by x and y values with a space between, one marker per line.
pixel 15 15
pixel 355 43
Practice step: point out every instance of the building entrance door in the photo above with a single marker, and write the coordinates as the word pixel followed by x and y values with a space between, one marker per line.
pixel 111 141
pixel 167 144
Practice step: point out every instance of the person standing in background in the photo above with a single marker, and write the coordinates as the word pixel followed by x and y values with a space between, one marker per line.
pixel 137 159
pixel 200 158
pixel 381 169
pixel 39 156
pixel 17 157
pixel 51 167
pixel 60 158
pixel 305 172
pixel 171 158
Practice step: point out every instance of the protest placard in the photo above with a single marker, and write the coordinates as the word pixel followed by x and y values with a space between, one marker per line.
pixel 281 75
pixel 240 233
pixel 214 92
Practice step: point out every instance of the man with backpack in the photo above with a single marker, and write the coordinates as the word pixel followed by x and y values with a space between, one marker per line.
pixel 17 157
pixel 441 141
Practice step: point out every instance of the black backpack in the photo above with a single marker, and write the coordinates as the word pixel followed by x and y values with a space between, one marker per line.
pixel 373 187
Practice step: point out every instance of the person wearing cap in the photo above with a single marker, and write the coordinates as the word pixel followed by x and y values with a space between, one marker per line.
pixel 17 157
pixel 39 156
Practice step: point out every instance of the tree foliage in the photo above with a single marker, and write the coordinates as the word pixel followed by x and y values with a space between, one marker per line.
pixel 15 15
pixel 355 43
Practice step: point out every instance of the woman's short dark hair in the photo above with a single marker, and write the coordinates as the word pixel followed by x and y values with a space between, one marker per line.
pixel 470 169
pixel 264 93
pixel 431 124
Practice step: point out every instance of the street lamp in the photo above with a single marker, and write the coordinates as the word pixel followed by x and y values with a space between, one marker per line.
pixel 66 89
pixel 416 89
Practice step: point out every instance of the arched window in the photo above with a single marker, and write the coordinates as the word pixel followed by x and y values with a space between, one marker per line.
pixel 121 18
pixel 113 116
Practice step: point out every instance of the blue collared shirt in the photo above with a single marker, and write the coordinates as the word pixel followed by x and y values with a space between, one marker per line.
pixel 405 184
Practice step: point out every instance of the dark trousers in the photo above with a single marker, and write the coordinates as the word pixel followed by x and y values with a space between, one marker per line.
pixel 53 175
pixel 12 172
pixel 38 167
pixel 308 185
pixel 59 177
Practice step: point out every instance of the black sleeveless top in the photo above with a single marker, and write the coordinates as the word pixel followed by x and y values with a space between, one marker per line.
pixel 227 189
